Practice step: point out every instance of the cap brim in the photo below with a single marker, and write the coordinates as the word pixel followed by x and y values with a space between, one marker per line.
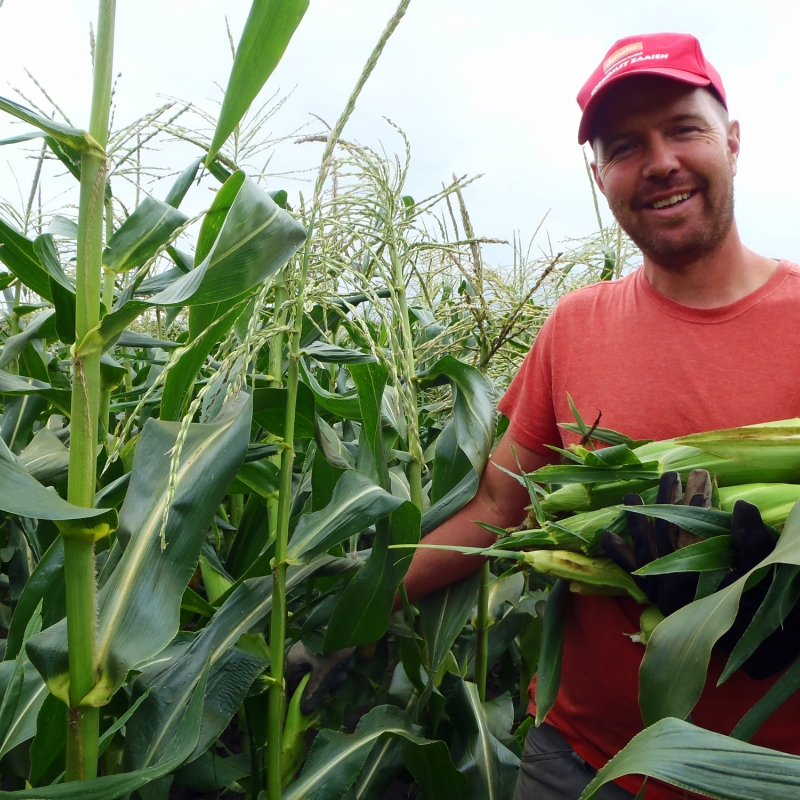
pixel 591 107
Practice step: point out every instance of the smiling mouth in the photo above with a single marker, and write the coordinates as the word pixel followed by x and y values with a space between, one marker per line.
pixel 673 200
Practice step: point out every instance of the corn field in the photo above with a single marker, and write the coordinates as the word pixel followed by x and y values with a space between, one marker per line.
pixel 222 435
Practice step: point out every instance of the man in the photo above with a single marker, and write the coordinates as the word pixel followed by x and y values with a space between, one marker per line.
pixel 700 337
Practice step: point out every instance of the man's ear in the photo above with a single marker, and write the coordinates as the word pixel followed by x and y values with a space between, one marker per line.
pixel 597 179
pixel 734 143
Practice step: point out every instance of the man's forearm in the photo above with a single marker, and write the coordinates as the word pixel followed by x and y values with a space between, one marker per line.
pixel 432 569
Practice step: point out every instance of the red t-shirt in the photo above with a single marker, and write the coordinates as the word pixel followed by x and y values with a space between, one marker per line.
pixel 656 369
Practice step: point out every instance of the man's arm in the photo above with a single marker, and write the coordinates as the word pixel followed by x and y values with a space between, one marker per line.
pixel 500 501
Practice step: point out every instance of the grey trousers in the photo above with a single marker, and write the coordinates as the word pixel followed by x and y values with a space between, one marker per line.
pixel 551 770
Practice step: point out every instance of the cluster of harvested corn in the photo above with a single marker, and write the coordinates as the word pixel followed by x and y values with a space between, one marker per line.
pixel 759 464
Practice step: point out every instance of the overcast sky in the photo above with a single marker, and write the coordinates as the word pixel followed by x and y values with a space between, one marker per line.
pixel 479 87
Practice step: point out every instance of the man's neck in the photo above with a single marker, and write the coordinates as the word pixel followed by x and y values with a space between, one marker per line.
pixel 720 278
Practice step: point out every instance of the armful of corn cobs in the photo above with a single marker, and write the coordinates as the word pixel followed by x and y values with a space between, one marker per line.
pixel 752 542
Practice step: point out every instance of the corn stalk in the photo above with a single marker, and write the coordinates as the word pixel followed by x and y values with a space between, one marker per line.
pixel 83 722
pixel 277 689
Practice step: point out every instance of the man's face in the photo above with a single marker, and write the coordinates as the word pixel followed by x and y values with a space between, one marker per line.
pixel 665 158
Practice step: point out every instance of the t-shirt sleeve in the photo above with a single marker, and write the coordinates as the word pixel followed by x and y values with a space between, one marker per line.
pixel 528 403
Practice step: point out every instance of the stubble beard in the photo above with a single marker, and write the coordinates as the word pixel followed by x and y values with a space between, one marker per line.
pixel 675 253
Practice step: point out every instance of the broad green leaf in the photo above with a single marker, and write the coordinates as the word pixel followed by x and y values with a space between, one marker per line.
pixel 183 371
pixel 261 477
pixel 705 762
pixel 443 615
pixel 173 679
pixel 18 254
pixel 336 759
pixel 370 381
pixel 342 405
pixel 61 287
pixel 712 554
pixel 362 614
pixel 781 598
pixel 183 183
pixel 456 498
pixel 356 504
pixel 255 240
pixel 150 225
pixel 615 456
pixel 580 473
pixel 139 605
pixel 331 446
pixel 49 742
pixel 17 385
pixel 674 667
pixel 473 407
pixel 336 355
pixel 137 339
pixel 489 766
pixel 110 787
pixel 269 27
pixel 46 458
pixel 705 522
pixel 776 696
pixel 71 137
pixel 24 495
pixel 23 696
pixel 605 435
pixel 269 411
pixel 549 673
pixel 450 465
pixel 37 328
pixel 46 586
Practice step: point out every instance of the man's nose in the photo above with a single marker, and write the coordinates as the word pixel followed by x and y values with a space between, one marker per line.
pixel 660 158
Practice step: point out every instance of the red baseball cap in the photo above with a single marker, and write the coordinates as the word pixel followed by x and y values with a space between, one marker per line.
pixel 673 55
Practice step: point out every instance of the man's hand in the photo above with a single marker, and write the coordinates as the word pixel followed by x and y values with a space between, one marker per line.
pixel 328 673
pixel 655 539
pixel 752 542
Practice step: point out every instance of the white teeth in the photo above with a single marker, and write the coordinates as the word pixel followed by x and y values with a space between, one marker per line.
pixel 670 201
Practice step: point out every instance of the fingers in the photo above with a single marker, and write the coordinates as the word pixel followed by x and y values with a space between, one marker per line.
pixel 666 533
pixel 641 532
pixel 619 551
pixel 752 539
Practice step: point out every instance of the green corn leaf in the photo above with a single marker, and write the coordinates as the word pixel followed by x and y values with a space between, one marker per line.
pixel 443 615
pixel 63 134
pixel 549 673
pixel 267 32
pixel 370 380
pixel 336 759
pixel 781 598
pixel 705 522
pixel 330 353
pixel 450 465
pixel 489 766
pixel 151 225
pixel 357 503
pixel 187 363
pixel 139 604
pixel 712 554
pixel 46 458
pixel 615 456
pixel 362 614
pixel 473 407
pixel 24 495
pixel 110 787
pixel 136 339
pixel 605 435
pixel 19 255
pixel 579 473
pixel 269 411
pixel 254 239
pixel 778 694
pixel 674 667
pixel 183 183
pixel 346 406
pixel 39 325
pixel 705 762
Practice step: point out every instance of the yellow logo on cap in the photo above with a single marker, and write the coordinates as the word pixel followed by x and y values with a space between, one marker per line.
pixel 618 55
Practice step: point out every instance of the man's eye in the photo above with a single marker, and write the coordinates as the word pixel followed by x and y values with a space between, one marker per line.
pixel 686 129
pixel 621 149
